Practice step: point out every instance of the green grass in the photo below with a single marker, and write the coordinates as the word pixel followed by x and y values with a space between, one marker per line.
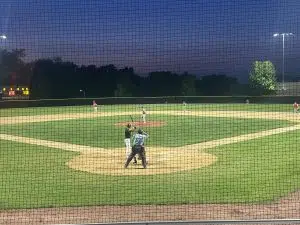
pixel 259 170
pixel 179 130
pixel 256 171
pixel 121 108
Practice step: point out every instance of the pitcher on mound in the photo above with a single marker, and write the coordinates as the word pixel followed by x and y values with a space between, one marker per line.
pixel 144 115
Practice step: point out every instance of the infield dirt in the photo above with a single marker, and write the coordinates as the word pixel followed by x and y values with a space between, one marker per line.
pixel 288 207
pixel 162 160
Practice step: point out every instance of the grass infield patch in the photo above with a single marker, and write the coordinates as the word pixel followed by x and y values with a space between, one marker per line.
pixel 178 131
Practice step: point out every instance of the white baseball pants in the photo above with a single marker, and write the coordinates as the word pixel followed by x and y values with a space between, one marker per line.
pixel 128 146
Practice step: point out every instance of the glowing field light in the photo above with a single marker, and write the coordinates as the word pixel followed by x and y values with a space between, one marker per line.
pixel 284 35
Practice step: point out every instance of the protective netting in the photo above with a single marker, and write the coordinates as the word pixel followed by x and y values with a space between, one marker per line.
pixel 201 98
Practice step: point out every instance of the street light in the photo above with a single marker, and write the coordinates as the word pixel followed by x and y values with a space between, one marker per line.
pixel 3 36
pixel 283 39
pixel 83 92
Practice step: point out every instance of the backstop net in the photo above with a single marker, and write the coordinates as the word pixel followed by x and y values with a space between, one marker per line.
pixel 149 112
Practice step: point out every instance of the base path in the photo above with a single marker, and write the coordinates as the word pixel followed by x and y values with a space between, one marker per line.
pixel 288 207
pixel 294 117
pixel 162 160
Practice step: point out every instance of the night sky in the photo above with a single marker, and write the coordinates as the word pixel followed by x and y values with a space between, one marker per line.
pixel 199 36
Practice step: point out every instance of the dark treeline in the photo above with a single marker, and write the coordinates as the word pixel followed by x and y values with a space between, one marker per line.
pixel 55 78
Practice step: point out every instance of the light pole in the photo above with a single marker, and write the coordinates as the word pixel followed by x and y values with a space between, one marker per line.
pixel 283 48
pixel 82 92
pixel 2 37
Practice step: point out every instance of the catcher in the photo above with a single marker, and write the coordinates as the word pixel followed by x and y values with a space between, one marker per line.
pixel 138 148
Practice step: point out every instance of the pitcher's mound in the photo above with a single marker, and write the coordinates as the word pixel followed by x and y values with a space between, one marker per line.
pixel 141 124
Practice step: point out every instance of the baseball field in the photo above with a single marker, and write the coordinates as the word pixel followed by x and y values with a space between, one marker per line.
pixel 204 154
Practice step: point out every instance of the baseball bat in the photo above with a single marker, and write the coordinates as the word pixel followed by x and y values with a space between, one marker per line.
pixel 131 120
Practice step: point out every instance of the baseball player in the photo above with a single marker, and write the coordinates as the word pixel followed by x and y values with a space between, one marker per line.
pixel 296 107
pixel 138 148
pixel 127 140
pixel 95 106
pixel 184 105
pixel 144 115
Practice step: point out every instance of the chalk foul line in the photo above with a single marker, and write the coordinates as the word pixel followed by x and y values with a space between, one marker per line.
pixel 198 146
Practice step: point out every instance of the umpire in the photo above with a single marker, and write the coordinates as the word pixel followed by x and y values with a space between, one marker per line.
pixel 138 148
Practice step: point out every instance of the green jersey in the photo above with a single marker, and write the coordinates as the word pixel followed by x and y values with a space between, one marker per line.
pixel 127 133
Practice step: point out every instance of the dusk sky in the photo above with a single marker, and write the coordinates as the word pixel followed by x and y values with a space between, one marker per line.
pixel 199 36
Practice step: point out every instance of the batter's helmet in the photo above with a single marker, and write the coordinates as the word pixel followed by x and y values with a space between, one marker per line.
pixel 140 131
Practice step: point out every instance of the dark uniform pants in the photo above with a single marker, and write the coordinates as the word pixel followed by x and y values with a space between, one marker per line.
pixel 140 150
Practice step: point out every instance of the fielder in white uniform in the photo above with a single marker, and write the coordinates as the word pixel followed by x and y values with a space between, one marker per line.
pixel 184 105
pixel 95 106
pixel 296 107
pixel 144 115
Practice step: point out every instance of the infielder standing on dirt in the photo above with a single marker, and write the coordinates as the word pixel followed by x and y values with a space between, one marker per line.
pixel 296 107
pixel 95 105
pixel 128 130
pixel 144 115
pixel 138 148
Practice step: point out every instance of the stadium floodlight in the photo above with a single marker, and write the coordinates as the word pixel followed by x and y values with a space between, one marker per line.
pixel 2 37
pixel 283 48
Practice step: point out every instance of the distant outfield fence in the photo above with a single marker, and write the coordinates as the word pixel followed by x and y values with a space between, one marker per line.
pixel 149 100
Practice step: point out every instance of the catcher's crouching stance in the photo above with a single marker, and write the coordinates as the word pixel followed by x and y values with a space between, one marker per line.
pixel 138 148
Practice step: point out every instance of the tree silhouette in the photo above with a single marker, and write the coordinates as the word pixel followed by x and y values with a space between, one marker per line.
pixel 13 70
pixel 188 85
pixel 217 85
pixel 56 78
